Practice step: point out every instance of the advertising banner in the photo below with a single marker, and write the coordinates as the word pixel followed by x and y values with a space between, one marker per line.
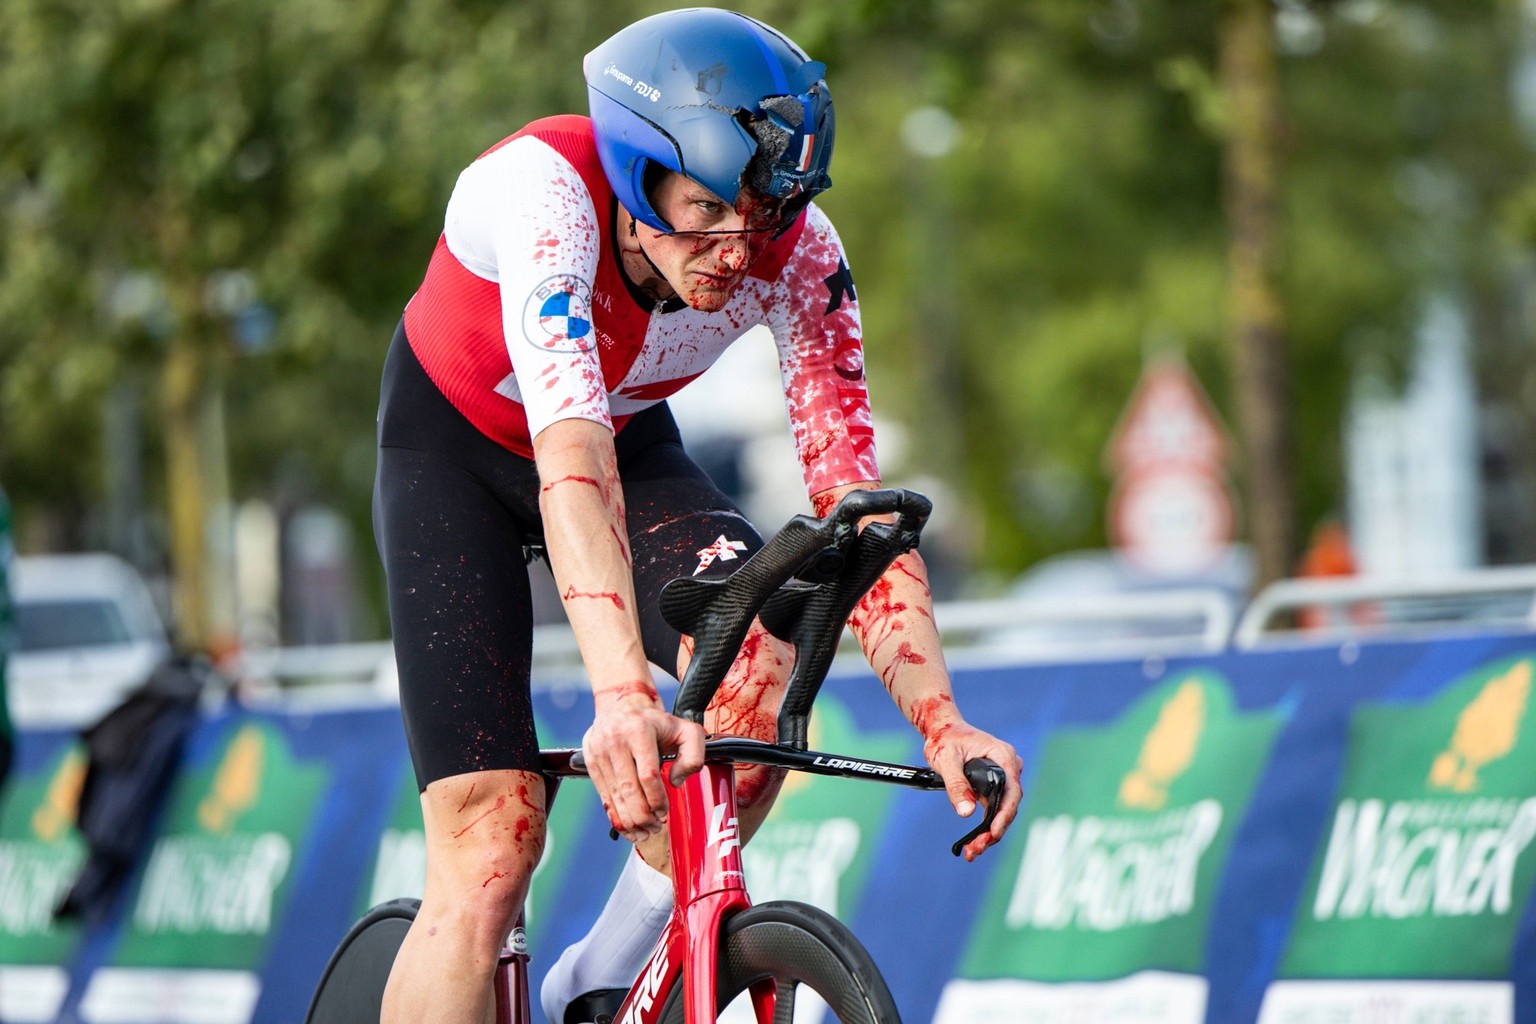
pixel 1126 836
pixel 40 856
pixel 1338 834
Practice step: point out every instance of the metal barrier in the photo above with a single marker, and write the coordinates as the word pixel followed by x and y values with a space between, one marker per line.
pixel 1356 607
pixel 1134 624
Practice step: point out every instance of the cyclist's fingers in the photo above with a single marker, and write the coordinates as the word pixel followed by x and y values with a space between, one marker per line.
pixel 955 786
pixel 599 772
pixel 1013 795
pixel 612 769
pixel 686 739
pixel 650 795
pixel 975 847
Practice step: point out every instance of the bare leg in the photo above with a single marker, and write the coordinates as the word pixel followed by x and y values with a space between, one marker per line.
pixel 747 704
pixel 485 831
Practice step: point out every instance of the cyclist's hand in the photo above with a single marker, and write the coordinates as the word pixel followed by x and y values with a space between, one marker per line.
pixel 623 751
pixel 947 748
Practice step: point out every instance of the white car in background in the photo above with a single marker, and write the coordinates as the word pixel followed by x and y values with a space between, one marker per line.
pixel 87 632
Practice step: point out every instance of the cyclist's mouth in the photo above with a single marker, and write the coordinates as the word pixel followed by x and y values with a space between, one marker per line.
pixel 712 280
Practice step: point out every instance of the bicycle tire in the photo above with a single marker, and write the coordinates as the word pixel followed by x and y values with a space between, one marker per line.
pixel 798 946
pixel 351 991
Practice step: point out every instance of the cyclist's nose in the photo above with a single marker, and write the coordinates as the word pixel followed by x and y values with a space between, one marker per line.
pixel 732 252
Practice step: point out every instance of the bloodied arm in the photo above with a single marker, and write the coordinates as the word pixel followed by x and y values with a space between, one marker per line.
pixel 582 504
pixel 894 625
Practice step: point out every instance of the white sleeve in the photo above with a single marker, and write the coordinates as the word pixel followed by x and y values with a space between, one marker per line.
pixel 523 218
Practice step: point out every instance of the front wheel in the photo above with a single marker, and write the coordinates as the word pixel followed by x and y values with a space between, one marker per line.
pixel 351 991
pixel 808 956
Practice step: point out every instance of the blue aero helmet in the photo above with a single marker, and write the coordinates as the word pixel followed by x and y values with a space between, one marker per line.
pixel 714 95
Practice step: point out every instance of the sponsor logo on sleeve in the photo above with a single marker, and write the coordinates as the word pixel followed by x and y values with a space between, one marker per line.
pixel 557 317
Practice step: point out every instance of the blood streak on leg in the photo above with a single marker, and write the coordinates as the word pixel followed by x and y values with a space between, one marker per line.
pixel 501 802
pixel 747 704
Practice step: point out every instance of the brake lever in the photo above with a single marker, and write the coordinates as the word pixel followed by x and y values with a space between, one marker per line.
pixel 987 780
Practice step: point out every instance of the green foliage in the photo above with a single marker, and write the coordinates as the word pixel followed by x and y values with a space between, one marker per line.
pixel 1010 287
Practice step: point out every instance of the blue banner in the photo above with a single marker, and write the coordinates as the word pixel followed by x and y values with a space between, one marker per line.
pixel 1309 834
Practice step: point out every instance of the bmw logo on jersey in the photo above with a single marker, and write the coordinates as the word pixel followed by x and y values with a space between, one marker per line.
pixel 558 315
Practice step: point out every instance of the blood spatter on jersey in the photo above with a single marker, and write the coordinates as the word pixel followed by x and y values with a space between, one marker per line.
pixel 634 356
pixel 823 359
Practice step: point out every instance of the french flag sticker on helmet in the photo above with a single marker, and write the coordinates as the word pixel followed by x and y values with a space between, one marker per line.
pixel 558 315
pixel 807 147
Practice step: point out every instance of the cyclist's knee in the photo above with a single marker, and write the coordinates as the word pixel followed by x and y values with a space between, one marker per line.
pixel 747 703
pixel 757 786
pixel 479 887
pixel 485 833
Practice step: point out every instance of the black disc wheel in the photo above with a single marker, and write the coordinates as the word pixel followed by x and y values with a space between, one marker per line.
pixel 809 958
pixel 351 991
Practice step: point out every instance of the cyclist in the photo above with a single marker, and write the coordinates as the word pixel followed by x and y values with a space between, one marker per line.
pixel 589 267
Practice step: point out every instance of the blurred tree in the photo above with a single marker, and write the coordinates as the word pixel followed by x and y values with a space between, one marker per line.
pixel 232 199
pixel 1255 322
pixel 215 192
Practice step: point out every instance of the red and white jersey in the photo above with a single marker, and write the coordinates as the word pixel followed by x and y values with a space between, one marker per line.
pixel 525 317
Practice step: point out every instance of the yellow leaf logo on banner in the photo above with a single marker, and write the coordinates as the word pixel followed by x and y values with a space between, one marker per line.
pixel 237 782
pixel 1168 751
pixel 61 804
pixel 1487 730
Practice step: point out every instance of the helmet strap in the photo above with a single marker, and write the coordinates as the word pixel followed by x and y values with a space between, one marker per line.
pixel 645 255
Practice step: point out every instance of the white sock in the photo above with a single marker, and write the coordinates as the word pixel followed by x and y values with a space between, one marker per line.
pixel 613 952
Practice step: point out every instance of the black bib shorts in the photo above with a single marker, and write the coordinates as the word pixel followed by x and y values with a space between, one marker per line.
pixel 453 511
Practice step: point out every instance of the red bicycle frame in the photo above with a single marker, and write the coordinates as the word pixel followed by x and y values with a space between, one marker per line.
pixel 708 885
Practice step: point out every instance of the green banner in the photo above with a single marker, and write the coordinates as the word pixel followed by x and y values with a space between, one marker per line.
pixel 1426 866
pixel 1124 839
pixel 218 877
pixel 40 856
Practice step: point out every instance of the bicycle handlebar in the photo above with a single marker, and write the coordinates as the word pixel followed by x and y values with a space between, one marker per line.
pixel 985 777
pixel 803 584
pixel 717 613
